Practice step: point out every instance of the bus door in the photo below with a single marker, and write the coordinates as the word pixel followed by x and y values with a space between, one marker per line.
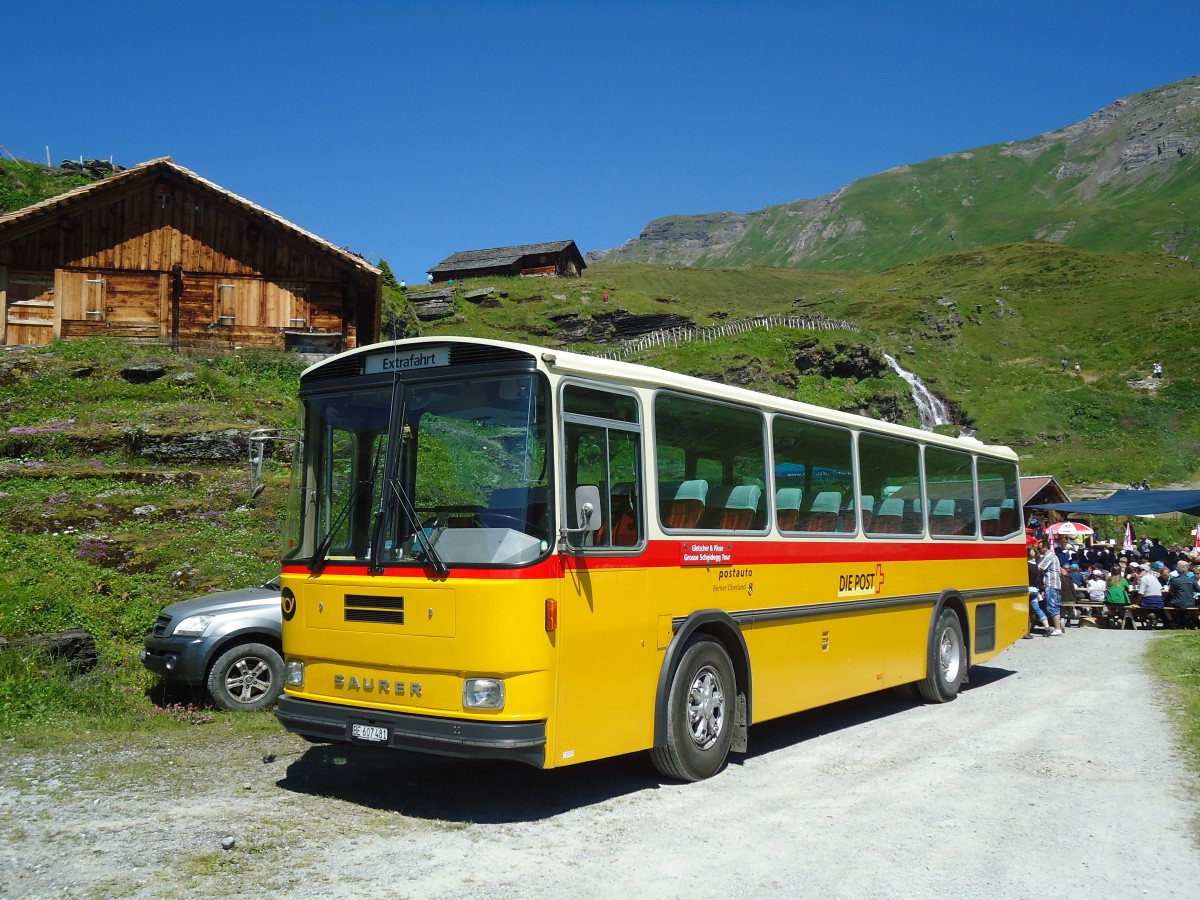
pixel 606 637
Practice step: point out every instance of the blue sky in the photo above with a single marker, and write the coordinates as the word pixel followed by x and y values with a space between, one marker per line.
pixel 411 130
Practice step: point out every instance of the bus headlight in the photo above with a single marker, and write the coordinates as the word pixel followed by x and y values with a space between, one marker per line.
pixel 483 693
pixel 294 673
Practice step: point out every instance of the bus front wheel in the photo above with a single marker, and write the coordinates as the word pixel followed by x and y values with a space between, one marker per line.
pixel 700 714
pixel 947 665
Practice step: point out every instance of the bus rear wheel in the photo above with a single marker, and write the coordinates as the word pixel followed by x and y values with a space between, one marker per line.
pixel 700 714
pixel 947 666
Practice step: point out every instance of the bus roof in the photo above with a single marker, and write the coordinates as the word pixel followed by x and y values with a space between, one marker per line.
pixel 567 362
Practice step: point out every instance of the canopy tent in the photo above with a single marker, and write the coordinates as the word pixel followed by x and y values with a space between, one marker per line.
pixel 1134 503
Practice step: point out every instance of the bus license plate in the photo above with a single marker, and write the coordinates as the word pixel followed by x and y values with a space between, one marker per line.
pixel 374 734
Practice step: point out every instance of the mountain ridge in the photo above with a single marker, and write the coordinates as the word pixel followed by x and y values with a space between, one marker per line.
pixel 1114 181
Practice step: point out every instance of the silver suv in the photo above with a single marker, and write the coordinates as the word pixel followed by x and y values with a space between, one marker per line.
pixel 228 643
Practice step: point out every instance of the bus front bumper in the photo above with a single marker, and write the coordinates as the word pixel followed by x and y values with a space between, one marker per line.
pixel 467 738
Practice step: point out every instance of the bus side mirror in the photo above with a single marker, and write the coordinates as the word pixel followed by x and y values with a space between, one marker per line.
pixel 587 513
pixel 587 507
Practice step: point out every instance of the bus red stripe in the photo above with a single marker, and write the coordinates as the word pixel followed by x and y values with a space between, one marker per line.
pixel 668 554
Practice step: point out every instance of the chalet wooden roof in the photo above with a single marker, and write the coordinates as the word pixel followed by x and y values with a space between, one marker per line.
pixel 1045 487
pixel 34 215
pixel 501 256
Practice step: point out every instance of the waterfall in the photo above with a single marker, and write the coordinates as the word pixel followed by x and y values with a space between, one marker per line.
pixel 930 409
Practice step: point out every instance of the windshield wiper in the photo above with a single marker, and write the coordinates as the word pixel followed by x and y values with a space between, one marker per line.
pixel 321 553
pixel 406 506
pixel 431 555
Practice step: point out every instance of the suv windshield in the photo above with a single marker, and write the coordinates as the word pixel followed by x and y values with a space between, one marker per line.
pixel 431 473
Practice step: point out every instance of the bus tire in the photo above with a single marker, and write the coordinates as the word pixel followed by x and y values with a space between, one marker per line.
pixel 947 661
pixel 701 713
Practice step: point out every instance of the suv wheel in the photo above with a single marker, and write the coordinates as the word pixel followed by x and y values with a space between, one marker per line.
pixel 248 676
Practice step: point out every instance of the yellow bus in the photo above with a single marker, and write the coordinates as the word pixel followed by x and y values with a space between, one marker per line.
pixel 497 550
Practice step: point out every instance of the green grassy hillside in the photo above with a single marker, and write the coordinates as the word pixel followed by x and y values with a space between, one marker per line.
pixel 978 199
pixel 23 183
pixel 118 496
pixel 1126 179
pixel 987 330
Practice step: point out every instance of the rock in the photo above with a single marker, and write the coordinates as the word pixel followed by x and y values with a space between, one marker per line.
pixel 615 325
pixel 143 373
pixel 884 407
pixel 76 646
pixel 748 374
pixel 228 843
pixel 430 305
pixel 182 578
pixel 82 371
pixel 478 295
pixel 845 360
pixel 228 445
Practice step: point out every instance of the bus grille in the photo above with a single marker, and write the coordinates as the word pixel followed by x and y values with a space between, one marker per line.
pixel 474 354
pixel 985 627
pixel 380 610
pixel 342 368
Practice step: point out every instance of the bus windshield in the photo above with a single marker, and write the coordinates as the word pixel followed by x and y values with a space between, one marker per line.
pixel 424 473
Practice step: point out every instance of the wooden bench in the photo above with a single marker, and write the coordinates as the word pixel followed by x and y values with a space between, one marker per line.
pixel 1081 608
pixel 1136 616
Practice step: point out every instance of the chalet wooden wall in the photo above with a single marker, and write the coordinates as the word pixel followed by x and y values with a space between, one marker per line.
pixel 166 256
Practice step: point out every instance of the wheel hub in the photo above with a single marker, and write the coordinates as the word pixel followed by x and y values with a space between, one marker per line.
pixel 706 708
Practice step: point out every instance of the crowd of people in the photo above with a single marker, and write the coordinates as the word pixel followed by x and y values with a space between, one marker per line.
pixel 1156 582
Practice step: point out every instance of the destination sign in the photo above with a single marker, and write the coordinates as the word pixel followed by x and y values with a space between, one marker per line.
pixel 406 361
pixel 706 553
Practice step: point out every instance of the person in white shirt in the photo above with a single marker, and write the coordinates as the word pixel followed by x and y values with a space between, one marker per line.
pixel 1150 589
pixel 1097 586
pixel 1051 586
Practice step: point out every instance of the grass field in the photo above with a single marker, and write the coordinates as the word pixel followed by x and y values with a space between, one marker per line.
pixel 99 530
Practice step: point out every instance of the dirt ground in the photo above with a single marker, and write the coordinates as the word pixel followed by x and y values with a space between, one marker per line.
pixel 1052 775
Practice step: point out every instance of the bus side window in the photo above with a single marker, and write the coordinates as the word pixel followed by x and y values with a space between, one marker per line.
pixel 891 467
pixel 708 456
pixel 950 482
pixel 605 450
pixel 999 497
pixel 814 477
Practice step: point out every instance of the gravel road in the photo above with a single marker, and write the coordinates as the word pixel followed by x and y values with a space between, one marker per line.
pixel 1052 775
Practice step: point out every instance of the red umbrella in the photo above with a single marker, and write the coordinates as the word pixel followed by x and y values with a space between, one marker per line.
pixel 1068 529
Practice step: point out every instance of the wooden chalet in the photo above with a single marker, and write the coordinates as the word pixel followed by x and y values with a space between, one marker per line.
pixel 1039 489
pixel 557 258
pixel 157 253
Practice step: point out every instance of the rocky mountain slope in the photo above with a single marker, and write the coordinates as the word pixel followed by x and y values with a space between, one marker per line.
pixel 1126 178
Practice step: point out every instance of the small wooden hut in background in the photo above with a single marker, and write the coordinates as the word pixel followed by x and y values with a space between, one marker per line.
pixel 1039 489
pixel 157 253
pixel 556 258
